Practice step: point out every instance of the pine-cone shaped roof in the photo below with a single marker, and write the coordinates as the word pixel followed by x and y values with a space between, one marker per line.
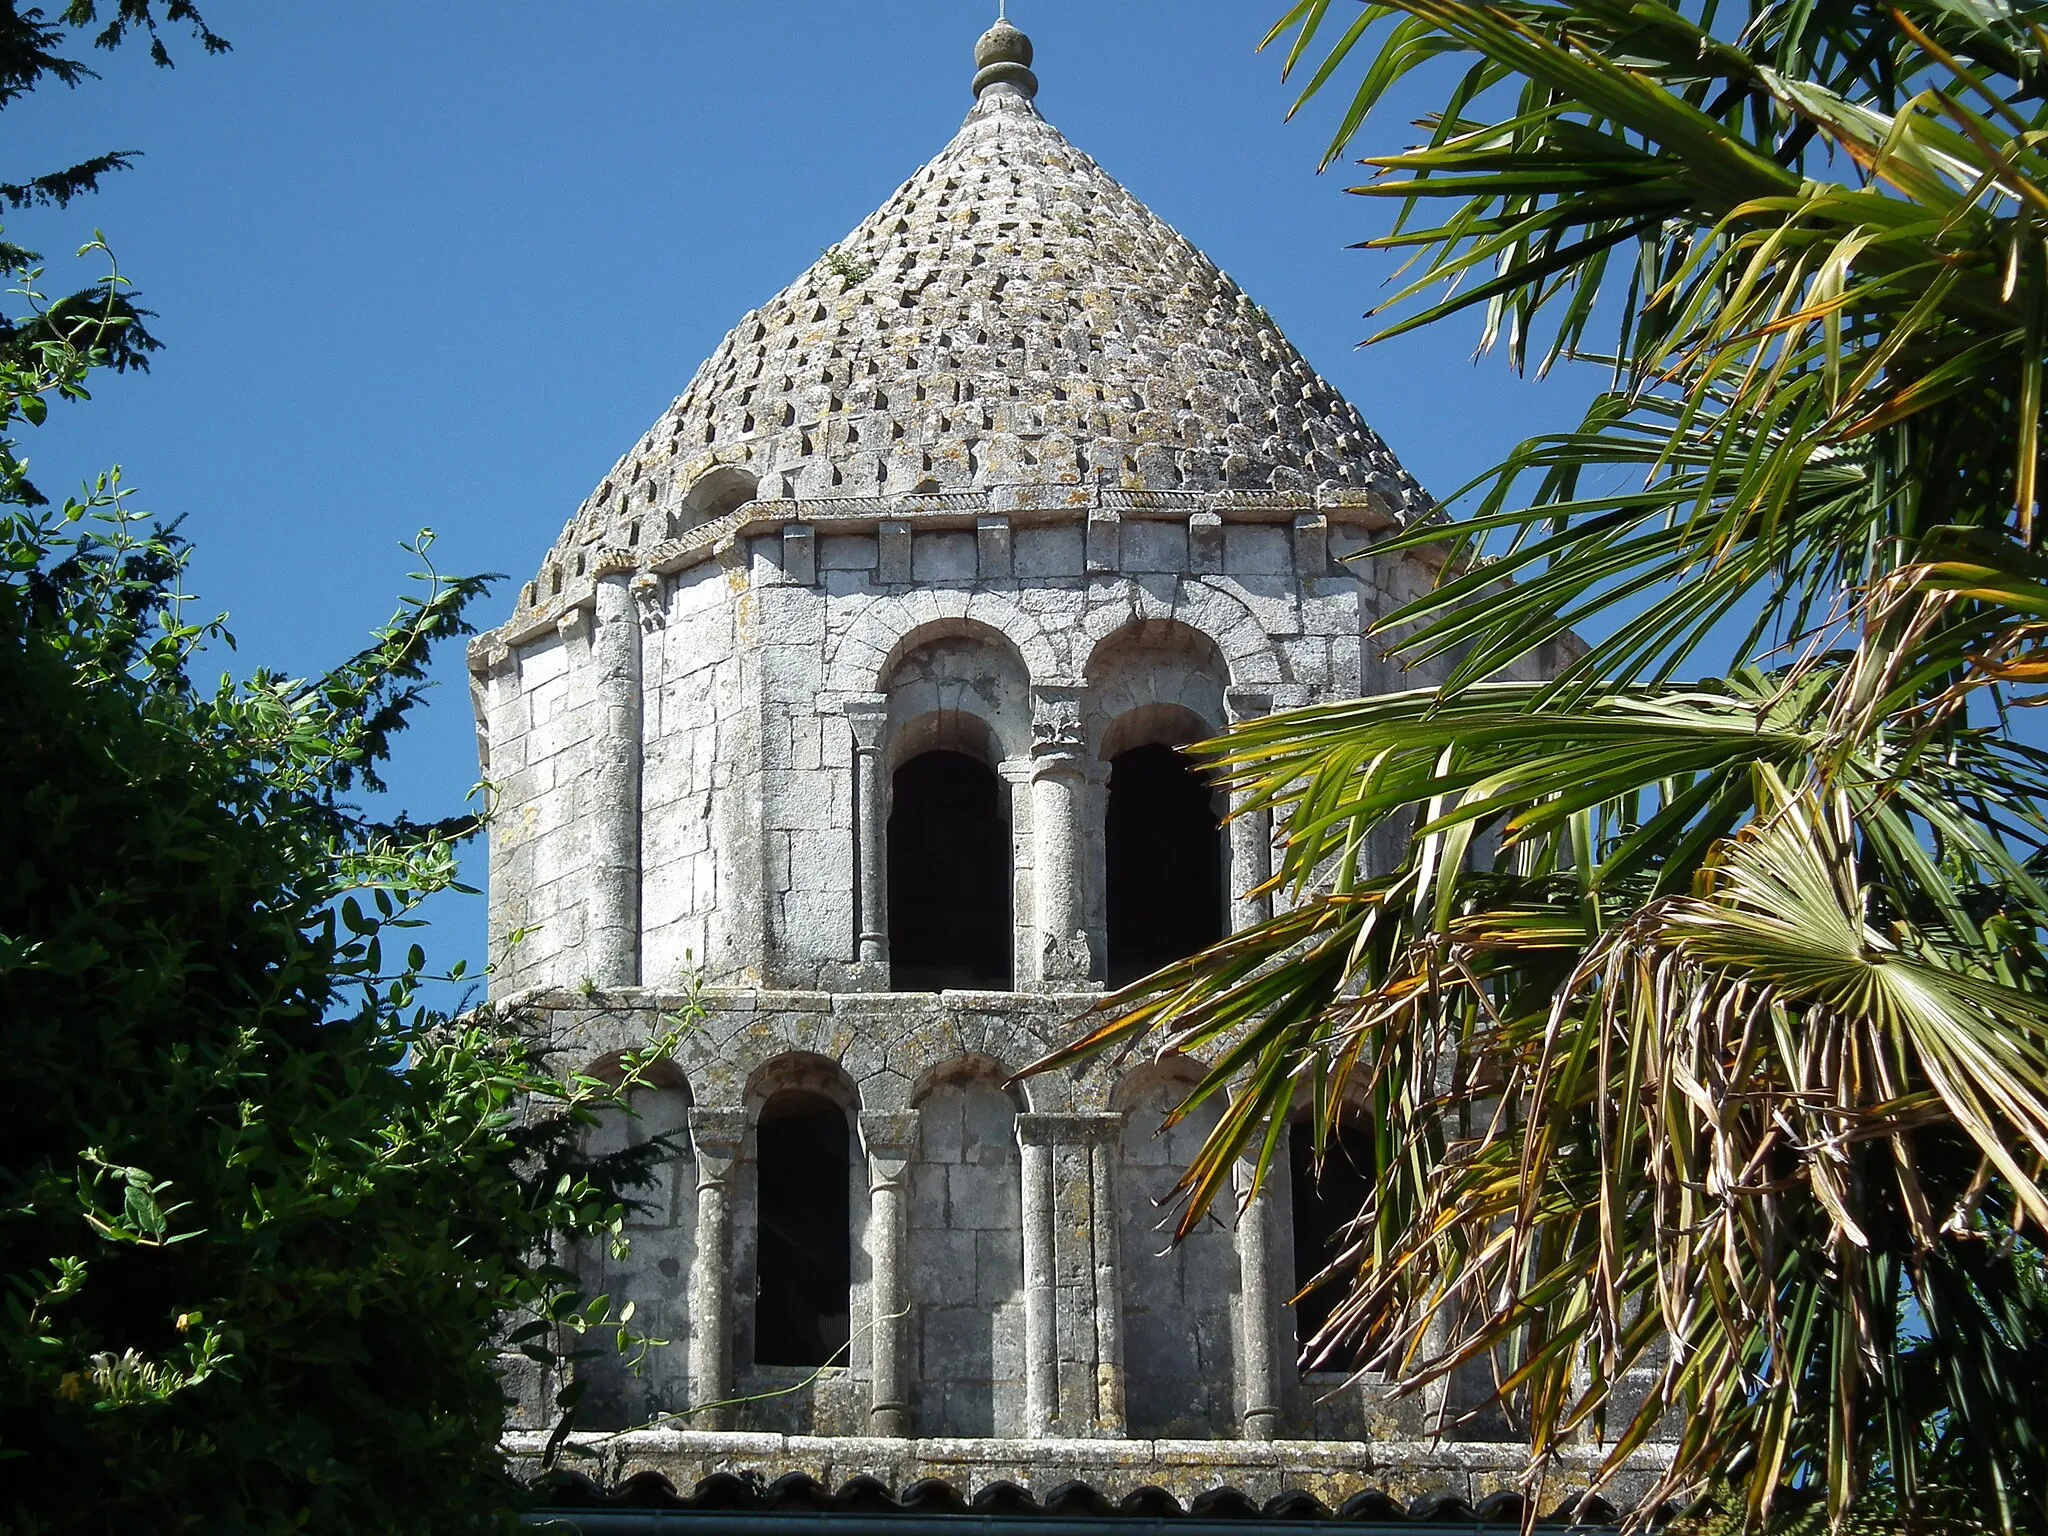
pixel 1011 316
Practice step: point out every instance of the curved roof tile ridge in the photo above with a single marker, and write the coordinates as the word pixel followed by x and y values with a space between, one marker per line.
pixel 1073 1504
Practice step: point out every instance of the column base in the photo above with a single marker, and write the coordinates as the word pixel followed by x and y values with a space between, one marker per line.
pixel 867 976
pixel 1066 965
pixel 720 1420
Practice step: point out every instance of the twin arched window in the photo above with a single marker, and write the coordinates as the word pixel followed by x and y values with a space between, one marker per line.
pixel 950 919
pixel 960 703
pixel 965 1230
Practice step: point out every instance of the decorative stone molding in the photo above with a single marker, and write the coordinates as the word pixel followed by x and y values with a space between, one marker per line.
pixel 647 595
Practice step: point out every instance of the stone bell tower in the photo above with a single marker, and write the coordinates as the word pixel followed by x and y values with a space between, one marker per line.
pixel 851 693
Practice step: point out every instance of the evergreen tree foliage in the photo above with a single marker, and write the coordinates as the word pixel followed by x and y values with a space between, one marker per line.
pixel 31 54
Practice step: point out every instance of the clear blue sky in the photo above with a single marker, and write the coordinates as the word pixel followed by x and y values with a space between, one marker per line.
pixel 439 264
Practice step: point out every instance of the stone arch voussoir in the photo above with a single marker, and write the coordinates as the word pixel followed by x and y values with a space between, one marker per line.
pixel 861 657
pixel 1251 655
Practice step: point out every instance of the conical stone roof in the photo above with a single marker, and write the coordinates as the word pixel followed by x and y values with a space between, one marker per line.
pixel 1011 316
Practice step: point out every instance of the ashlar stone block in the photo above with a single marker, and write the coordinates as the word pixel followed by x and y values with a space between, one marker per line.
pixel 1047 552
pixel 893 553
pixel 1257 549
pixel 944 557
pixel 1152 546
pixel 992 548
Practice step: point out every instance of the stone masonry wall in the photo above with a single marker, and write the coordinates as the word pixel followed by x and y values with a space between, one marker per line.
pixel 1135 1342
pixel 652 1275
pixel 696 710
pixel 538 736
pixel 745 848
pixel 1180 1299
pixel 967 1263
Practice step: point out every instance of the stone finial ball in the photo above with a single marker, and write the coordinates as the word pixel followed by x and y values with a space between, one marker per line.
pixel 1002 44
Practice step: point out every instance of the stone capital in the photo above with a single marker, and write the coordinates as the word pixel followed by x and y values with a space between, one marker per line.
pixel 716 1135
pixel 890 1138
pixel 868 714
pixel 1058 735
pixel 646 590
pixel 1247 703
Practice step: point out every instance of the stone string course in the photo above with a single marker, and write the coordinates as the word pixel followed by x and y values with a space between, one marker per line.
pixel 1015 472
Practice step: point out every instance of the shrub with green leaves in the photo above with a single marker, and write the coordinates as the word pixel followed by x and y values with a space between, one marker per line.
pixel 262 1213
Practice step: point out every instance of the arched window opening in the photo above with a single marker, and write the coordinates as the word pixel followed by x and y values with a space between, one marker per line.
pixel 804 1258
pixel 1326 1201
pixel 650 1139
pixel 718 492
pixel 949 876
pixel 1165 863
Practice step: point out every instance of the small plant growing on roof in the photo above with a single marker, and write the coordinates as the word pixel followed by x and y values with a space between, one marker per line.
pixel 850 270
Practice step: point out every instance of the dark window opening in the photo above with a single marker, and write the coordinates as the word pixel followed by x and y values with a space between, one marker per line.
pixel 719 492
pixel 949 876
pixel 730 500
pixel 804 1261
pixel 1165 859
pixel 1326 1202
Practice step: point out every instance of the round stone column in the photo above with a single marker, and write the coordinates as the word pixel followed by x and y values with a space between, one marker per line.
pixel 890 1140
pixel 612 903
pixel 868 715
pixel 1259 1358
pixel 1041 1285
pixel 1058 782
pixel 1251 832
pixel 715 1136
